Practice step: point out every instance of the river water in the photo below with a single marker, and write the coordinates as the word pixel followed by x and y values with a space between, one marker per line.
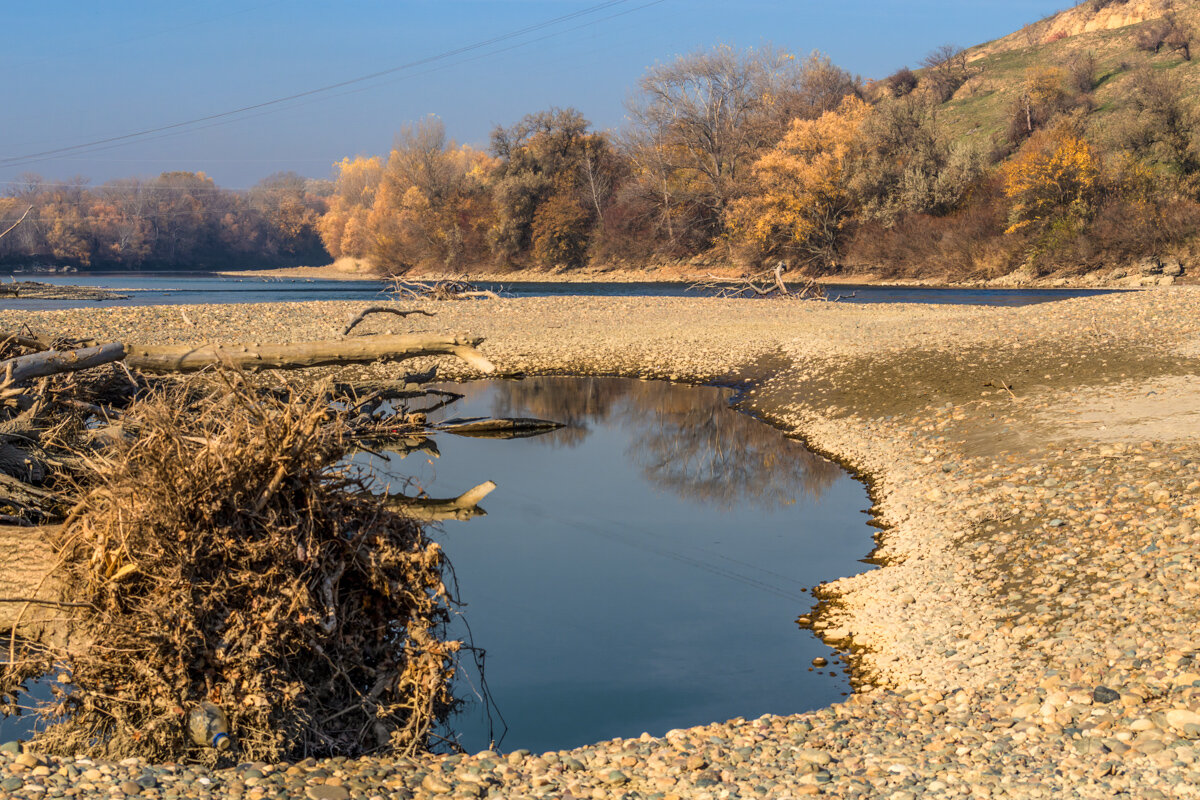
pixel 640 569
pixel 192 288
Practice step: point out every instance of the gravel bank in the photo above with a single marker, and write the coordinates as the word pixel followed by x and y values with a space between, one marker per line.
pixel 1034 633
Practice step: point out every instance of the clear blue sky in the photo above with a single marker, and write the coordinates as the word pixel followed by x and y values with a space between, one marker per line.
pixel 78 72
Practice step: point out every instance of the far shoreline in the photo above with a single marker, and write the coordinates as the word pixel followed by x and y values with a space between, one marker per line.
pixel 335 272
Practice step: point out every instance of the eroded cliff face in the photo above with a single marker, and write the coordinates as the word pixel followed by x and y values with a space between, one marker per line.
pixel 1081 19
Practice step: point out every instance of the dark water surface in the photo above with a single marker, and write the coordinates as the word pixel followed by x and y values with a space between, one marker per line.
pixel 191 288
pixel 641 569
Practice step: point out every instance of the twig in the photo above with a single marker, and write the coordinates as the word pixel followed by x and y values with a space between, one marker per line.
pixel 18 222
pixel 35 601
pixel 383 310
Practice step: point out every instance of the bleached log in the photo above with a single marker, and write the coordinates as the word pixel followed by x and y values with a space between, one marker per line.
pixel 54 362
pixel 361 350
pixel 31 592
pixel 431 509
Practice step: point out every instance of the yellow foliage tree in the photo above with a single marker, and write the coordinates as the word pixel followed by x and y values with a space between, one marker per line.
pixel 432 208
pixel 801 199
pixel 343 228
pixel 1055 176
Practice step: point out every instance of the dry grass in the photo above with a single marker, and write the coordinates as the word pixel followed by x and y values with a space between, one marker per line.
pixel 224 554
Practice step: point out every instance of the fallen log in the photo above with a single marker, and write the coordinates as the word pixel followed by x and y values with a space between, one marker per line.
pixel 498 428
pixel 192 358
pixel 54 362
pixel 431 509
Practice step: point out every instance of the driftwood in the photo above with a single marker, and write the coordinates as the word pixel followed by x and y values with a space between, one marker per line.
pixel 54 362
pixel 764 284
pixel 188 358
pixel 438 290
pixel 15 224
pixel 36 290
pixel 430 509
pixel 381 310
pixel 21 340
pixel 498 428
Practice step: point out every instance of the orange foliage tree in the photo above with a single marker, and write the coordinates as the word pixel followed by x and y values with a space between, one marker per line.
pixel 433 206
pixel 343 228
pixel 1055 178
pixel 801 200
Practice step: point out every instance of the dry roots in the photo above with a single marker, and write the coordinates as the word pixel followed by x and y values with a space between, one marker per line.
pixel 224 554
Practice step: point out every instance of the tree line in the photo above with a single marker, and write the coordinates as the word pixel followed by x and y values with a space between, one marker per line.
pixel 730 156
pixel 176 220
pixel 755 156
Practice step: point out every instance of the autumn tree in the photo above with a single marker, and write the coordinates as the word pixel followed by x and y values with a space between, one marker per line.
pixel 699 122
pixel 1054 179
pixel 287 214
pixel 343 228
pixel 802 197
pixel 552 182
pixel 433 207
pixel 178 219
pixel 62 216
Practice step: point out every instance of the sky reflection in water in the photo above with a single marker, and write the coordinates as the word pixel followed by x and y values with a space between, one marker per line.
pixel 641 569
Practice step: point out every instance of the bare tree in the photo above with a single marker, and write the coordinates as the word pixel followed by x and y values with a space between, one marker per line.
pixel 706 117
pixel 945 70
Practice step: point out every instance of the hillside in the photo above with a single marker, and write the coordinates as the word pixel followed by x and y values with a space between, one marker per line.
pixel 1001 69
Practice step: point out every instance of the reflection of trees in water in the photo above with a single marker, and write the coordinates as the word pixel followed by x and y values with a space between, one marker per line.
pixel 690 443
pixel 574 402
pixel 686 440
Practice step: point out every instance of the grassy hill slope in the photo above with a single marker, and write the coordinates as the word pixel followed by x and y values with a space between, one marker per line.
pixel 1000 70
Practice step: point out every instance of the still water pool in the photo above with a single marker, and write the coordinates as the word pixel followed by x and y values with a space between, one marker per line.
pixel 640 569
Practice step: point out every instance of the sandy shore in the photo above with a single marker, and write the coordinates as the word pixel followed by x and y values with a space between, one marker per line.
pixel 1036 470
pixel 687 273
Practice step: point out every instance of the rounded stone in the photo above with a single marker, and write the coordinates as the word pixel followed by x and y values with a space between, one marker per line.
pixel 326 792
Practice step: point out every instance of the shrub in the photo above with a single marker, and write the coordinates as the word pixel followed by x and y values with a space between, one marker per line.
pixel 1151 37
pixel 901 82
pixel 945 70
pixel 1056 176
pixel 1082 72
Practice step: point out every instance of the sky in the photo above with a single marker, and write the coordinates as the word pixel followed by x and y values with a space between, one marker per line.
pixel 84 72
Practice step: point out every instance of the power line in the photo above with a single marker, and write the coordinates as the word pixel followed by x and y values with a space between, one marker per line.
pixel 344 93
pixel 14 161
